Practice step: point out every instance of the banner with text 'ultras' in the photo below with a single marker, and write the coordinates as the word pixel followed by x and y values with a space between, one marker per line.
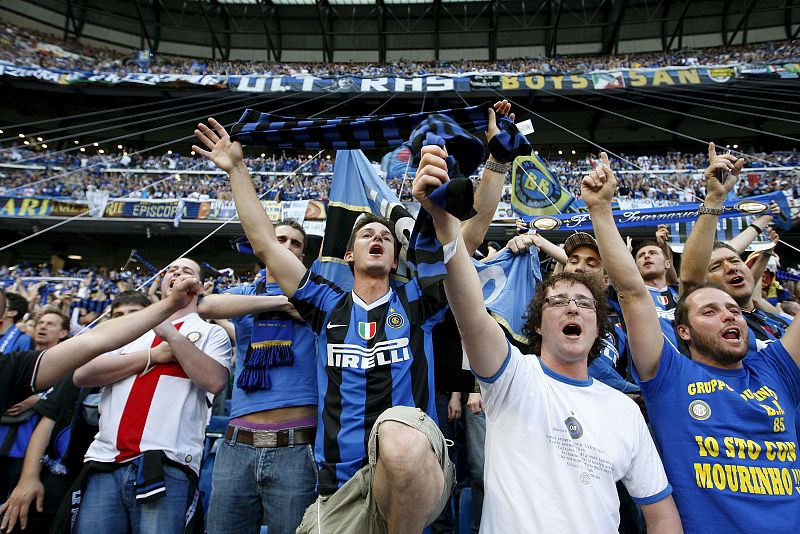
pixel 534 189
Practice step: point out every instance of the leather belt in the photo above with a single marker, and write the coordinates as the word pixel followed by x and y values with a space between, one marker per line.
pixel 271 438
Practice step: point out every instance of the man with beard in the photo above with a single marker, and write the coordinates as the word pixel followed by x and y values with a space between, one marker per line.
pixel 557 441
pixel 724 422
pixel 720 263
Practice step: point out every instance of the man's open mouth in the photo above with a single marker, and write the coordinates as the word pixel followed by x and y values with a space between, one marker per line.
pixel 376 248
pixel 732 334
pixel 736 280
pixel 572 330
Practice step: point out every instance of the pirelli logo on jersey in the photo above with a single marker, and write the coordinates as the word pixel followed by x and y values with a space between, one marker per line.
pixel 388 352
pixel 666 314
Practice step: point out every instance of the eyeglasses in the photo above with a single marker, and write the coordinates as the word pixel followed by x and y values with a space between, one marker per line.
pixel 561 302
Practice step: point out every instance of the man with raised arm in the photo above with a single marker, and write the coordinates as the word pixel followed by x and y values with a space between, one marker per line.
pixel 725 422
pixel 375 371
pixel 142 468
pixel 557 441
pixel 719 262
pixel 24 373
pixel 265 467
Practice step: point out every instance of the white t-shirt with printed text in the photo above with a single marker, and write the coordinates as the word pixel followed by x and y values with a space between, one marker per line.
pixel 555 448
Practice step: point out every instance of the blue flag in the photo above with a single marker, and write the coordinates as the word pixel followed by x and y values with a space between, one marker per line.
pixel 509 281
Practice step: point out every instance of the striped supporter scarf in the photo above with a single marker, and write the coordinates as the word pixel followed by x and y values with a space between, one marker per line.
pixel 344 133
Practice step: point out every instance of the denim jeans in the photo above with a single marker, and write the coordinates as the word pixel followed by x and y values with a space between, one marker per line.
pixel 109 504
pixel 250 483
pixel 476 437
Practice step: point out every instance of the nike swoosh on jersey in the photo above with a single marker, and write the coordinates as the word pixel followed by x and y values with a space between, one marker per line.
pixel 336 326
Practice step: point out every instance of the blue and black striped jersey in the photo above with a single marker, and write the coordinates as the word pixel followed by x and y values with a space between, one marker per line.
pixel 765 328
pixel 370 357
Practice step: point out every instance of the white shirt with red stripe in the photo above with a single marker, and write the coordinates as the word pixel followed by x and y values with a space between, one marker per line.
pixel 162 410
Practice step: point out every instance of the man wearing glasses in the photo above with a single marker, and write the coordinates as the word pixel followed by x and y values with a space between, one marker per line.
pixel 557 441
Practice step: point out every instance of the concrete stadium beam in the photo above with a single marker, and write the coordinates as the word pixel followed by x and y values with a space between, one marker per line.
pixel 263 11
pixel 679 27
pixel 742 23
pixel 610 43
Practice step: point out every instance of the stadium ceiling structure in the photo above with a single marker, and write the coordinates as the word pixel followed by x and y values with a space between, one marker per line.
pixel 416 30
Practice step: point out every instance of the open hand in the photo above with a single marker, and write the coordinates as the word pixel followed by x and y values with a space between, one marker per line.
pixel 19 502
pixel 24 406
pixel 226 154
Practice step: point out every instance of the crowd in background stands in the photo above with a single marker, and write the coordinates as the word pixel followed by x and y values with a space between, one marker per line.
pixel 78 175
pixel 84 294
pixel 32 48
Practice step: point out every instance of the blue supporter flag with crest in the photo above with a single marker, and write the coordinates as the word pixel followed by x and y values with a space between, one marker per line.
pixel 534 189
pixel 509 281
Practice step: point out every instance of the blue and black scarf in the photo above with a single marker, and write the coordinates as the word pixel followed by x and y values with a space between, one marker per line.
pixel 270 346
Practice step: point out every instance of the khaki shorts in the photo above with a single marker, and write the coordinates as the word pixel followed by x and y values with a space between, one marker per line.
pixel 352 509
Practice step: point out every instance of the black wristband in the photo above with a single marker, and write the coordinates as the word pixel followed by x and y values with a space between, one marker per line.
pixel 756 228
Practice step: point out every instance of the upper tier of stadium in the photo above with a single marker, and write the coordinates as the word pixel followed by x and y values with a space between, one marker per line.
pixel 396 37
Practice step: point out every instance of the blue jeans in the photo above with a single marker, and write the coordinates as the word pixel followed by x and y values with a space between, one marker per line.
pixel 250 483
pixel 109 503
pixel 476 438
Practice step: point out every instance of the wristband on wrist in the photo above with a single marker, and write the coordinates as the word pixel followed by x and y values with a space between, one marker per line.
pixel 703 210
pixel 493 166
pixel 149 366
pixel 755 227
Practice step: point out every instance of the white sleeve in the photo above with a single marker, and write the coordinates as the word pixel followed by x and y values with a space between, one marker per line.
pixel 501 391
pixel 646 480
pixel 218 346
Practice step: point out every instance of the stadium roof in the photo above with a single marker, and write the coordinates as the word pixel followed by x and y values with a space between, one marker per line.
pixel 385 30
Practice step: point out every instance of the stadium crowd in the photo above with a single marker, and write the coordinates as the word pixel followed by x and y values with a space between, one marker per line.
pixel 74 176
pixel 341 418
pixel 32 48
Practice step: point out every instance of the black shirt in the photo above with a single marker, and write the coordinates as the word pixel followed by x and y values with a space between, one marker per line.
pixel 72 435
pixel 17 375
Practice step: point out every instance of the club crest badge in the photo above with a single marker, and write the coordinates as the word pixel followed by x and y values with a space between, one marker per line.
pixel 574 428
pixel 699 410
pixel 194 337
pixel 395 320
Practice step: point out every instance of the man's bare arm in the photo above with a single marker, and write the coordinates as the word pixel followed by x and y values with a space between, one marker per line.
pixel 597 190
pixel 482 337
pixel 490 188
pixel 228 156
pixel 29 487
pixel 742 240
pixel 662 517
pixel 697 252
pixel 206 372
pixel 67 356
pixel 225 306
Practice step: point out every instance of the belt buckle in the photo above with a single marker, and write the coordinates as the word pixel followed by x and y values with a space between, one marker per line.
pixel 265 439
